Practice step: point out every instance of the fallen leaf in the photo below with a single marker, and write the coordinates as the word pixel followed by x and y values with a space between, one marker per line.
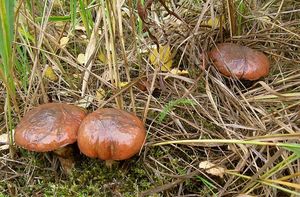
pixel 212 168
pixel 176 71
pixel 4 138
pixel 162 58
pixel 123 84
pixel 81 58
pixel 102 57
pixel 63 41
pixel 143 84
pixel 214 22
pixel 50 74
pixel 4 141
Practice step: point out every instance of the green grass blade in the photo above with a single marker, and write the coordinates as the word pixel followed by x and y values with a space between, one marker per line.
pixel 85 16
pixel 56 19
pixel 73 6
pixel 208 184
pixel 6 62
pixel 241 8
pixel 6 31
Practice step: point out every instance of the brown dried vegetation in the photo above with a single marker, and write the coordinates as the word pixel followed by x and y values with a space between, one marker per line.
pixel 216 107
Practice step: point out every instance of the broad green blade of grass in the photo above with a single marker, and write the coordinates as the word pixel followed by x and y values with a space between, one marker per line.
pixel 241 10
pixel 86 17
pixel 6 61
pixel 6 34
pixel 73 5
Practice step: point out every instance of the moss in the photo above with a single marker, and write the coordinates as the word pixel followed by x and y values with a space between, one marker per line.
pixel 92 177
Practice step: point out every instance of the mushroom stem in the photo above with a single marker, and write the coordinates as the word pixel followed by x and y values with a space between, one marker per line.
pixel 66 158
pixel 109 163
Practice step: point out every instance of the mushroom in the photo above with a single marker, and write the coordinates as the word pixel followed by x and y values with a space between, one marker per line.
pixel 50 127
pixel 111 134
pixel 241 62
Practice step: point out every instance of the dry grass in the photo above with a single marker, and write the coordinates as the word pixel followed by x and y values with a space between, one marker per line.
pixel 216 108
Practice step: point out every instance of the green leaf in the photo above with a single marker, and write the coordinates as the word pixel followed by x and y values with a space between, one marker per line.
pixel 295 149
pixel 85 16
pixel 56 18
pixel 73 5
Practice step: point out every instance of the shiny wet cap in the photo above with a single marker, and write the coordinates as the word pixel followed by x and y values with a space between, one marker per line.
pixel 233 60
pixel 49 127
pixel 111 134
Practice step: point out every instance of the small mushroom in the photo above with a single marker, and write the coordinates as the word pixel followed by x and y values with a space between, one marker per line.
pixel 50 127
pixel 241 62
pixel 111 134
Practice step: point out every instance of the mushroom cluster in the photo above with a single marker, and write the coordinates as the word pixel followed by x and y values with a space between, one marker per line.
pixel 107 134
pixel 241 62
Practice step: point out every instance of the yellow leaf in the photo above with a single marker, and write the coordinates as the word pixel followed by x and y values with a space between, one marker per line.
pixel 214 22
pixel 162 59
pixel 212 168
pixel 176 71
pixel 102 57
pixel 81 58
pixel 50 74
pixel 100 94
pixel 123 84
pixel 63 41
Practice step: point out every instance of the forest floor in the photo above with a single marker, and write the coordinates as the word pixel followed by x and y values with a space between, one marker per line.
pixel 98 54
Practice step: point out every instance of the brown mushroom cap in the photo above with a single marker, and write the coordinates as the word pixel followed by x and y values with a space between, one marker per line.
pixel 111 134
pixel 49 127
pixel 240 61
